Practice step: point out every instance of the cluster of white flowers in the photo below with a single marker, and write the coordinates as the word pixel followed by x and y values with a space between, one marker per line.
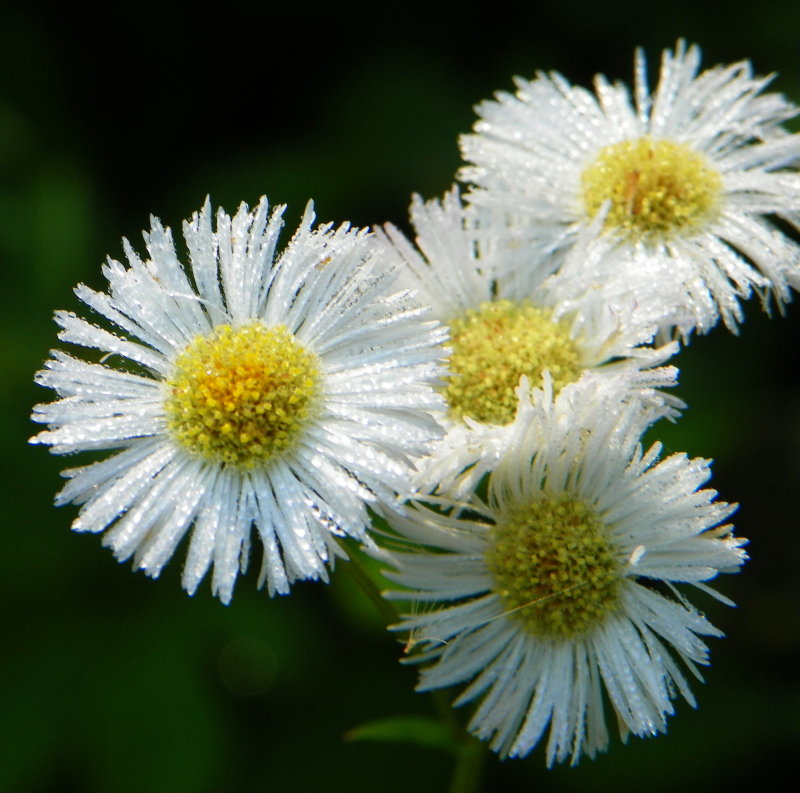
pixel 485 388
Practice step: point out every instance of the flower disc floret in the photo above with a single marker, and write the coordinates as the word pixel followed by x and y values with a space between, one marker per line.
pixel 554 567
pixel 241 395
pixel 493 346
pixel 656 187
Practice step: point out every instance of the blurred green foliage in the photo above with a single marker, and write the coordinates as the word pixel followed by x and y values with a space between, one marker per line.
pixel 111 682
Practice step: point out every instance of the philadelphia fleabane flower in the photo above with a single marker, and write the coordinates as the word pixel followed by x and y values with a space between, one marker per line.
pixel 685 181
pixel 462 267
pixel 561 589
pixel 257 392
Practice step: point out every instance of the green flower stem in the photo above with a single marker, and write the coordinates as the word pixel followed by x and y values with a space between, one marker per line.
pixel 362 578
pixel 468 770
pixel 469 752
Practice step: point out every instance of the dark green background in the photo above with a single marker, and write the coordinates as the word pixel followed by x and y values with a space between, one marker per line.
pixel 112 682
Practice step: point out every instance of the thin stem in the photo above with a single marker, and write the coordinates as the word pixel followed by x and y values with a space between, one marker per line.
pixel 469 752
pixel 447 715
pixel 469 767
pixel 362 578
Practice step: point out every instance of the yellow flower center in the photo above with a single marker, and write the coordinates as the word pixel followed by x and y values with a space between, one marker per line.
pixel 241 395
pixel 553 567
pixel 656 187
pixel 493 346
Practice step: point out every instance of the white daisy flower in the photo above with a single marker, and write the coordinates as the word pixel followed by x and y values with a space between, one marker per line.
pixel 282 392
pixel 464 272
pixel 684 182
pixel 560 589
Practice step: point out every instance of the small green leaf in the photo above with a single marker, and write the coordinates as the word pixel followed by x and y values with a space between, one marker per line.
pixel 418 730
